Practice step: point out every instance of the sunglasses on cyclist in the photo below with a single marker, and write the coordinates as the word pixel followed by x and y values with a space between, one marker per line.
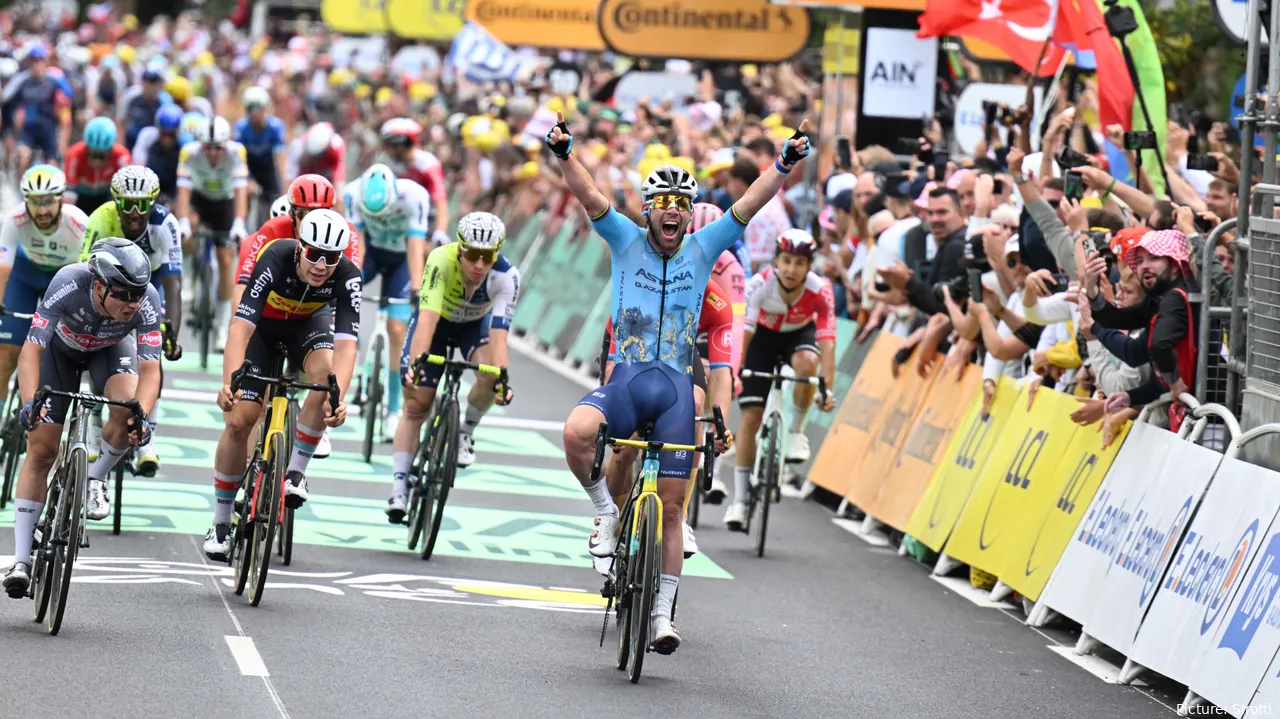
pixel 488 257
pixel 44 202
pixel 98 156
pixel 666 202
pixel 134 205
pixel 212 147
pixel 128 294
pixel 317 256
pixel 297 213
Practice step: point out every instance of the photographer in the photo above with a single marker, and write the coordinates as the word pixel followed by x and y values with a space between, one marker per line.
pixel 949 232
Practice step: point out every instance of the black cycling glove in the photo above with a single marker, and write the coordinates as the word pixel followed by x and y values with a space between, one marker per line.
pixel 791 155
pixel 562 148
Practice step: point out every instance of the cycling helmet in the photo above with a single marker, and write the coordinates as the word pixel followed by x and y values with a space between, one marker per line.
pixel 377 191
pixel 324 229
pixel 169 118
pixel 100 135
pixel 212 131
pixel 669 180
pixel 400 130
pixel 117 262
pixel 318 139
pixel 135 181
pixel 796 242
pixel 481 231
pixel 255 97
pixel 312 192
pixel 43 180
pixel 704 213
pixel 179 88
pixel 280 207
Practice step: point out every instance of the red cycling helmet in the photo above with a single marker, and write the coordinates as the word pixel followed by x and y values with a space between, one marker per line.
pixel 704 213
pixel 312 192
pixel 796 242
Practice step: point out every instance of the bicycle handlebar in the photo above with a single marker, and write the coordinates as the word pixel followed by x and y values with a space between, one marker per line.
pixel 426 359
pixel 286 383
pixel 19 315
pixel 133 405
pixel 717 419
pixel 819 380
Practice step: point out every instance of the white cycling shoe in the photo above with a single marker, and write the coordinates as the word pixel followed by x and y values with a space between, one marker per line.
pixel 735 517
pixel 604 538
pixel 718 491
pixel 217 542
pixel 396 508
pixel 99 505
pixel 466 450
pixel 324 447
pixel 666 639
pixel 690 544
pixel 798 448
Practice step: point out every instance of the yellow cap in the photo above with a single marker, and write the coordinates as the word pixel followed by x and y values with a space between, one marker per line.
pixel 362 91
pixel 528 170
pixel 205 59
pixel 600 149
pixel 555 104
pixel 657 151
pixel 126 53
pixel 772 120
pixel 255 52
pixel 781 132
pixel 1091 203
pixel 684 163
pixel 749 71
pixel 383 96
pixel 421 91
pixel 179 88
pixel 130 22
pixel 341 77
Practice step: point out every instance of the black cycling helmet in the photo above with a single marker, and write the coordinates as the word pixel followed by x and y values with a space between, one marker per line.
pixel 117 262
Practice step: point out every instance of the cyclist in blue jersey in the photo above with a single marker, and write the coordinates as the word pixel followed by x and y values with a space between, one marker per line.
pixel 660 272
pixel 44 96
pixel 140 104
pixel 262 135
pixel 159 146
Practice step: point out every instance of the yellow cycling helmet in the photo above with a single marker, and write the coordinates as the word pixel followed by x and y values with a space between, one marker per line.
pixel 383 96
pixel 126 53
pixel 179 88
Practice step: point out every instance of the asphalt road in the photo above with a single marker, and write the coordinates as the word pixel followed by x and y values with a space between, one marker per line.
pixel 506 618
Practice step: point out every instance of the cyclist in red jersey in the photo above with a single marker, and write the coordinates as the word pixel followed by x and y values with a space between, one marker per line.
pixel 400 138
pixel 712 385
pixel 91 163
pixel 319 151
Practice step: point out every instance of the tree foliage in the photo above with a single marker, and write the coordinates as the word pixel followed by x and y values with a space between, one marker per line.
pixel 1201 62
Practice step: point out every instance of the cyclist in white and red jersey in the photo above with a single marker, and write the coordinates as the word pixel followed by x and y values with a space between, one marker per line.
pixel 790 314
pixel 319 151
pixel 400 138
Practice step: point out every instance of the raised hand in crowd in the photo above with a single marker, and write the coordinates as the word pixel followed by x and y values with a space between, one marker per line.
pixel 1116 402
pixel 1094 269
pixel 1014 160
pixel 1075 217
pixel 1086 317
pixel 1113 423
pixel 964 322
pixel 1090 411
pixel 897 276
pixel 1032 386
pixel 1227 170
pixel 935 332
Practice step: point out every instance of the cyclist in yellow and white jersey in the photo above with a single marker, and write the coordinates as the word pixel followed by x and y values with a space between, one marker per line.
pixel 213 184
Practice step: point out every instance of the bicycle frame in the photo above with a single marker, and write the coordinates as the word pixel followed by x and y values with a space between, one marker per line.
pixel 646 483
pixel 277 415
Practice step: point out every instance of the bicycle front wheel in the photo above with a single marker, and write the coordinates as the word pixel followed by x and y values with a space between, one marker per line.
pixel 267 514
pixel 644 585
pixel 67 534
pixel 204 299
pixel 373 399
pixel 444 466
pixel 418 487
pixel 119 495
pixel 768 479
pixel 41 561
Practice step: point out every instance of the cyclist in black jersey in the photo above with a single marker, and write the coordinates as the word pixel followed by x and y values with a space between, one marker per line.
pixel 290 301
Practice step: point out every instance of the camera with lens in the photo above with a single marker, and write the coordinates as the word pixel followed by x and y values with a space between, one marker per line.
pixel 975 255
pixel 957 287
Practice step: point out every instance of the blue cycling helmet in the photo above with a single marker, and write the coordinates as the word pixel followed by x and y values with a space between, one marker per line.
pixel 377 191
pixel 100 134
pixel 169 118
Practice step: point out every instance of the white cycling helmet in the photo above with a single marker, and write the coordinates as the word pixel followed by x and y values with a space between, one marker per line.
pixel 318 139
pixel 215 131
pixel 324 229
pixel 255 96
pixel 481 231
pixel 669 180
pixel 280 207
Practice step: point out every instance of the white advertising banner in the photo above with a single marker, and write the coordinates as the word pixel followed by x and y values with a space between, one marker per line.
pixel 969 113
pixel 1240 657
pixel 657 87
pixel 1146 527
pixel 1208 568
pixel 1073 588
pixel 899 77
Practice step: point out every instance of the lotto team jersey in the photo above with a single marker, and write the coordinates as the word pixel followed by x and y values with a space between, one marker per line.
pixel 656 302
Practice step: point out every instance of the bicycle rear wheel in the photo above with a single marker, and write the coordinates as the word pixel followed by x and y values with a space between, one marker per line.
pixel 67 534
pixel 41 564
pixel 373 399
pixel 768 477
pixel 444 466
pixel 418 486
pixel 270 498
pixel 644 586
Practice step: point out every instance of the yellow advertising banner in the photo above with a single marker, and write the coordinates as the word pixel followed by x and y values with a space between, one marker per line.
pixel 560 24
pixel 732 30
pixel 1045 529
pixel 840 49
pixel 904 400
pixel 861 414
pixel 433 20
pixel 354 17
pixel 1020 472
pixel 902 487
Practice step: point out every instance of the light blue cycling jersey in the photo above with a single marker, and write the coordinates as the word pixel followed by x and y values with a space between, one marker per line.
pixel 641 307
pixel 392 230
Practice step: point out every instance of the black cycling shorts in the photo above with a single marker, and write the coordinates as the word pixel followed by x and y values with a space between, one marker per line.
pixel 216 216
pixel 60 369
pixel 699 374
pixel 299 337
pixel 767 346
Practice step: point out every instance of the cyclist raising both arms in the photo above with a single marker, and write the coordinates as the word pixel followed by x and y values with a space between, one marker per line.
pixel 468 298
pixel 659 275
pixel 86 322
pixel 790 315
pixel 288 303
pixel 38 238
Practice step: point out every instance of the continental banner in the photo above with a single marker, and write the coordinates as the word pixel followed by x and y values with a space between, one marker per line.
pixel 1018 474
pixel 1047 526
pixel 953 481
pixel 862 412
pixel 432 20
pixel 557 24
pixel 727 30
pixel 902 487
pixel 904 400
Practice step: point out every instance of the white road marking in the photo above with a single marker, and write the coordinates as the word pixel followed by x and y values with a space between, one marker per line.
pixel 855 528
pixel 963 588
pixel 1095 665
pixel 247 656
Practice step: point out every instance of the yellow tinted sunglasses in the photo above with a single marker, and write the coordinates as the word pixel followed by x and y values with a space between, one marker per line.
pixel 666 202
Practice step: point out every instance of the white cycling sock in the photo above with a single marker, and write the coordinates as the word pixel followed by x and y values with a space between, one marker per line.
pixel 799 417
pixel 26 513
pixel 599 493
pixel 223 318
pixel 400 464
pixel 106 461
pixel 666 595
pixel 304 447
pixel 741 484
pixel 472 418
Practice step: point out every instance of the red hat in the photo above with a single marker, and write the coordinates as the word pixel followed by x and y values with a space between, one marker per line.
pixel 1127 239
